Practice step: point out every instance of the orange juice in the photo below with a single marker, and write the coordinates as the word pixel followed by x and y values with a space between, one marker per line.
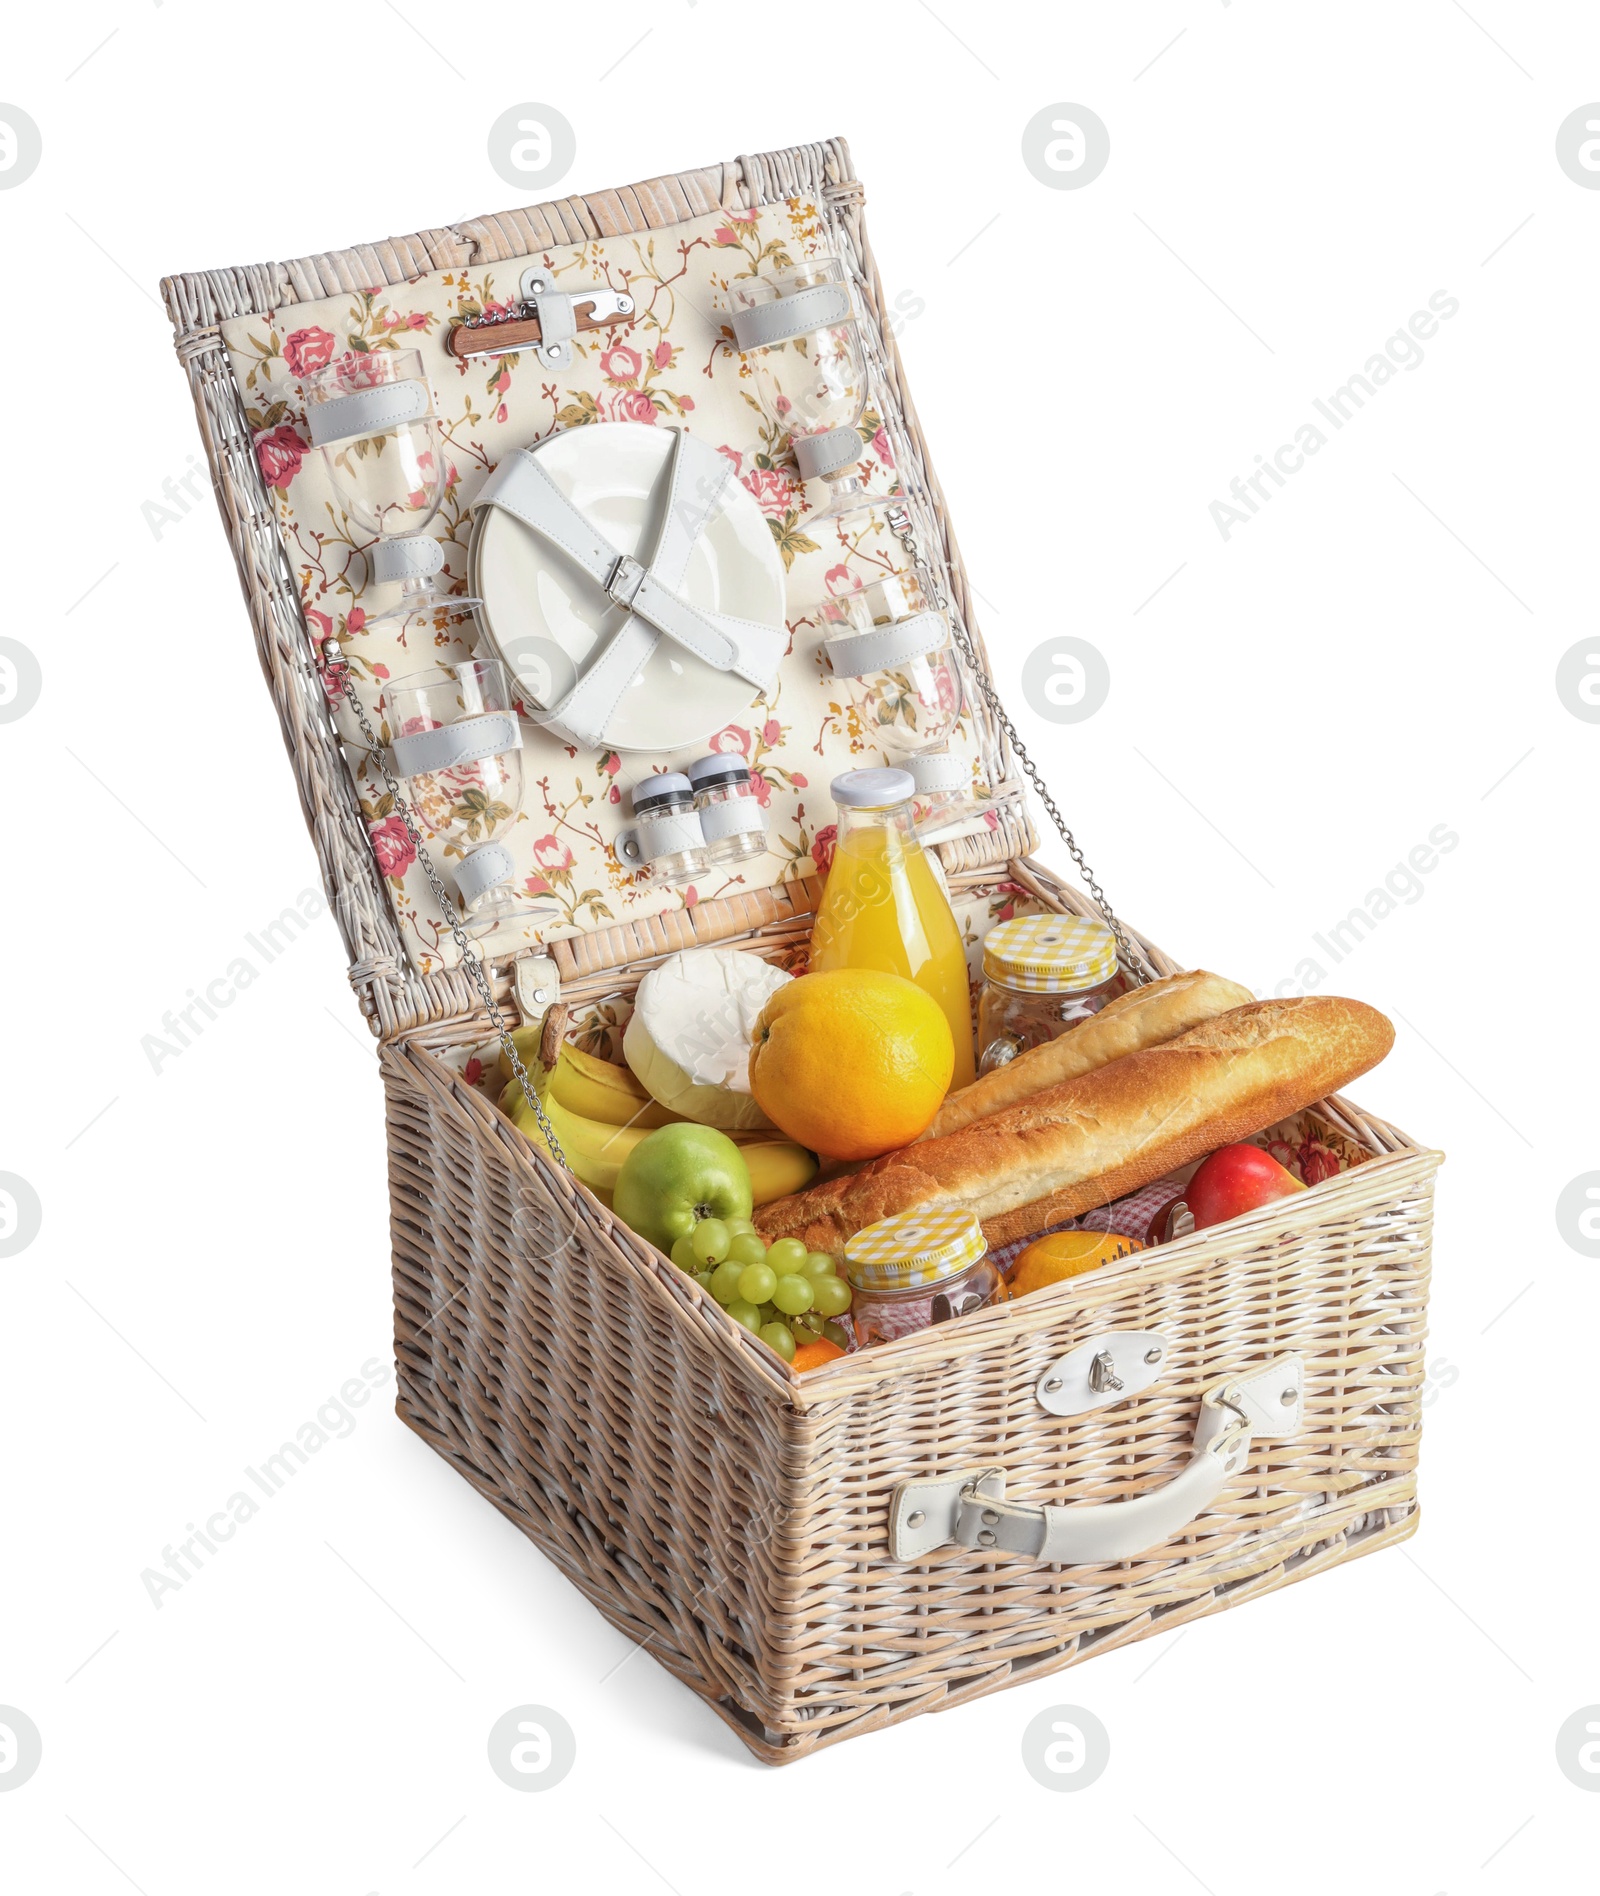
pixel 883 907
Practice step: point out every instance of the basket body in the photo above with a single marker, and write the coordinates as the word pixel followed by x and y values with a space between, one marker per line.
pixel 726 1513
pixel 734 1519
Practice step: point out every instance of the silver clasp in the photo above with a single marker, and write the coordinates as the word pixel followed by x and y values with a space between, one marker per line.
pixel 624 580
pixel 1103 1373
pixel 558 311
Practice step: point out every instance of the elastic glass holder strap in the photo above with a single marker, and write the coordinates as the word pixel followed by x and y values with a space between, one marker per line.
pixel 821 306
pixel 940 770
pixel 466 741
pixel 471 960
pixel 413 556
pixel 860 654
pixel 483 868
pixel 820 456
pixel 367 411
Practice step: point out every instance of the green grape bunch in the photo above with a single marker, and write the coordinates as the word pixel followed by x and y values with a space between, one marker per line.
pixel 781 1292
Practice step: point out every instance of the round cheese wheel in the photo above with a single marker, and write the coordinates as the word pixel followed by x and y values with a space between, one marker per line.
pixel 688 1041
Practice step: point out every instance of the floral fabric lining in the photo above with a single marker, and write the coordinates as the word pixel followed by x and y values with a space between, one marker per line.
pixel 670 365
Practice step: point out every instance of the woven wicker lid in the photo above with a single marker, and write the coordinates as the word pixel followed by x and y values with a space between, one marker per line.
pixel 1049 954
pixel 919 1247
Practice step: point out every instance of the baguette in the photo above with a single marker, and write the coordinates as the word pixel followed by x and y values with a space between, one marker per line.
pixel 1145 1017
pixel 1089 1140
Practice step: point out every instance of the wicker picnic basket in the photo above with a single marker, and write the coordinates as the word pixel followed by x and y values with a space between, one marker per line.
pixel 738 1521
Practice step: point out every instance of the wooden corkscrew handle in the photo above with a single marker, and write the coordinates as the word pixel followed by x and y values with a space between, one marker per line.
pixel 503 336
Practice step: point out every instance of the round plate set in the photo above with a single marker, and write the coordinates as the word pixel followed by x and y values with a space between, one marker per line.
pixel 546 616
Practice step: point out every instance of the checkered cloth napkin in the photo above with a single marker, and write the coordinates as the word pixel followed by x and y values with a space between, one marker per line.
pixel 1142 1215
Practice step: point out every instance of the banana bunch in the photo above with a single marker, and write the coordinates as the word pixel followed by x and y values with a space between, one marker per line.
pixel 594 1148
pixel 591 1087
pixel 599 1112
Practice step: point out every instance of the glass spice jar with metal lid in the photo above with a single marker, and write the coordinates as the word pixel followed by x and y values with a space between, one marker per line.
pixel 731 816
pixel 1041 975
pixel 916 1270
pixel 666 837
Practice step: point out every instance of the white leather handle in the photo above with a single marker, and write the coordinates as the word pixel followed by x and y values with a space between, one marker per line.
pixel 971 1510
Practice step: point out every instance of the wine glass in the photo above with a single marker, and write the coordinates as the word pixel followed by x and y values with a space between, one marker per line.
pixel 798 332
pixel 457 744
pixel 889 645
pixel 371 418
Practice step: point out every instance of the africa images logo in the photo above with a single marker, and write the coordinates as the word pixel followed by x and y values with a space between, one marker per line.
pixel 1402 350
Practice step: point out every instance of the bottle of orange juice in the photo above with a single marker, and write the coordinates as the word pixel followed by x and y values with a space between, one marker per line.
pixel 883 906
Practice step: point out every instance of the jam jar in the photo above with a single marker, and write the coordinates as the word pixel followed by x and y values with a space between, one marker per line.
pixel 916 1270
pixel 1041 975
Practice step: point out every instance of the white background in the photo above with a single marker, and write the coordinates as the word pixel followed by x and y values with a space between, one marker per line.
pixel 1293 712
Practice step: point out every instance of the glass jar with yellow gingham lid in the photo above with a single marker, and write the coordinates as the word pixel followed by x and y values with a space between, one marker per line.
pixel 1041 975
pixel 915 1270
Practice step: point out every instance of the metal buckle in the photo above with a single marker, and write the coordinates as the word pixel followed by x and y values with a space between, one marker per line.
pixel 624 580
pixel 1239 1429
pixel 990 1507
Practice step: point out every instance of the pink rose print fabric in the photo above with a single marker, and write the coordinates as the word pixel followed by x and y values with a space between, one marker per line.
pixel 670 365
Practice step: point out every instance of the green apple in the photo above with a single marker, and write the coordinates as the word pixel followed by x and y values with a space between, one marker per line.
pixel 677 1175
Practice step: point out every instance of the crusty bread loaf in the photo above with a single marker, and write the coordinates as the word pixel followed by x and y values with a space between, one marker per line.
pixel 1145 1017
pixel 1093 1138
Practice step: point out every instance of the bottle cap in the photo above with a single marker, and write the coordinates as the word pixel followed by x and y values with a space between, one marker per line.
pixel 872 789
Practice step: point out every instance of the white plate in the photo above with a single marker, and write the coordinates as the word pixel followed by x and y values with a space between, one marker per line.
pixel 539 606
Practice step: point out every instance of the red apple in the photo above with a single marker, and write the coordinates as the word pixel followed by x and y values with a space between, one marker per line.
pixel 1234 1180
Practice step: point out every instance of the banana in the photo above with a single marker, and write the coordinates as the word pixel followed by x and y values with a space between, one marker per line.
pixel 511 1101
pixel 526 1042
pixel 578 1089
pixel 593 1149
pixel 620 1079
pixel 596 1144
pixel 777 1167
pixel 585 1084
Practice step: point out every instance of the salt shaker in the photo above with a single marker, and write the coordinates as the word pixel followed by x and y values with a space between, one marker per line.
pixel 666 837
pixel 731 817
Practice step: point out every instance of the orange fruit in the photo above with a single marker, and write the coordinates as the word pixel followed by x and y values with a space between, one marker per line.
pixel 851 1062
pixel 813 1355
pixel 1067 1254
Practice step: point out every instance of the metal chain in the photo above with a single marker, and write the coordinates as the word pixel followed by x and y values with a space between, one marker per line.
pixel 338 668
pixel 1133 958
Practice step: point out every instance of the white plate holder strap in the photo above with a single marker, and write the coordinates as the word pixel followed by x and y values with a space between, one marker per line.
pixel 970 1510
pixel 697 476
